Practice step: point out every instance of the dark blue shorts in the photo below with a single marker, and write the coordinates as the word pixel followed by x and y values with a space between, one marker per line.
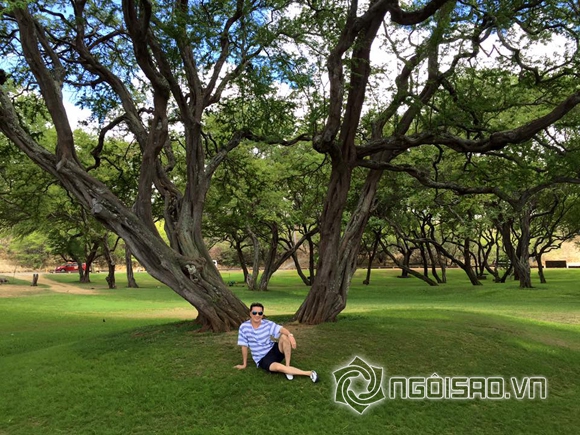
pixel 274 355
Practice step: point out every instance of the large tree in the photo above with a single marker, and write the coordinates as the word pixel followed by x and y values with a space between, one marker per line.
pixel 151 70
pixel 424 103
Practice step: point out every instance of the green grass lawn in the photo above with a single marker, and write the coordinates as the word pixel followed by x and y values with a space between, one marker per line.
pixel 129 361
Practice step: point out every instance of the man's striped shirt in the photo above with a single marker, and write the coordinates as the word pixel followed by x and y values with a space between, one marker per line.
pixel 258 340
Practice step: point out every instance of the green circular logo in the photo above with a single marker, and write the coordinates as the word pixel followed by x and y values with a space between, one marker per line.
pixel 363 398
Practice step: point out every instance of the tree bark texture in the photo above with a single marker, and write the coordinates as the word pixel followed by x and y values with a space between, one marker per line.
pixel 337 262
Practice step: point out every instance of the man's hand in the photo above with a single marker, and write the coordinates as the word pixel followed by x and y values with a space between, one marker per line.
pixel 242 366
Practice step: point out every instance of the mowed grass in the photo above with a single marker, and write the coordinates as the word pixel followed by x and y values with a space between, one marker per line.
pixel 130 361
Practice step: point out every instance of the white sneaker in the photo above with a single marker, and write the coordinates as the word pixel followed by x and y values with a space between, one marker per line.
pixel 314 376
pixel 289 376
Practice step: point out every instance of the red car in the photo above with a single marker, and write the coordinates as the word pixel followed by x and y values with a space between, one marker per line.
pixel 68 268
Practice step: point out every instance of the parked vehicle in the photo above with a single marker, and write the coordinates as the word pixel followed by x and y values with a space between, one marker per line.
pixel 69 267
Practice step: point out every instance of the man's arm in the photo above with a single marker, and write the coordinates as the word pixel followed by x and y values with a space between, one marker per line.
pixel 284 331
pixel 244 358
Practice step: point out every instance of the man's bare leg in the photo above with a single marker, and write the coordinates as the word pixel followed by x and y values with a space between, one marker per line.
pixel 281 368
pixel 286 348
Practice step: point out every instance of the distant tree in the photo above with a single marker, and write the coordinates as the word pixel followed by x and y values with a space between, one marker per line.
pixel 109 245
pixel 261 207
pixel 555 220
pixel 29 251
pixel 34 206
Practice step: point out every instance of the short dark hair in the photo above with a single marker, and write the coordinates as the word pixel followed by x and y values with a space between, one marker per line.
pixel 256 304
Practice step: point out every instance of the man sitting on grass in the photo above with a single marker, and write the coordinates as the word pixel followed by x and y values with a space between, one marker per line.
pixel 256 334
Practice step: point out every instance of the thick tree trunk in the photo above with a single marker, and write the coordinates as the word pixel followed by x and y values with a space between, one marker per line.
pixel 81 272
pixel 441 260
pixel 495 272
pixel 506 233
pixel 191 274
pixel 520 257
pixel 85 276
pixel 131 282
pixel 194 280
pixel 337 260
pixel 337 255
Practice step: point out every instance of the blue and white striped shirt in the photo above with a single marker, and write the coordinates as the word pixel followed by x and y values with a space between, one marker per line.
pixel 258 340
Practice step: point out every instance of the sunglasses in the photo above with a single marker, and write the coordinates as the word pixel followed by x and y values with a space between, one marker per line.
pixel 259 313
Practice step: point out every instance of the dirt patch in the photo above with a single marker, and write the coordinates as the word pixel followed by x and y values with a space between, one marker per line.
pixel 66 288
pixel 183 313
pixel 13 290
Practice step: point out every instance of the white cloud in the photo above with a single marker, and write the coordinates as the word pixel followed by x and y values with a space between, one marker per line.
pixel 75 114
